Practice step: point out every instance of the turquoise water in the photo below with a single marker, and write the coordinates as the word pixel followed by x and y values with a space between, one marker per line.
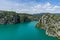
pixel 23 31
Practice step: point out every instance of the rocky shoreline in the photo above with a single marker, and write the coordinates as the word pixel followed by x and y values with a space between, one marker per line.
pixel 51 23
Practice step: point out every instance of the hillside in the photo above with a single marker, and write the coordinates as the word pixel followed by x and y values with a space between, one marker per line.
pixel 51 23
pixel 10 17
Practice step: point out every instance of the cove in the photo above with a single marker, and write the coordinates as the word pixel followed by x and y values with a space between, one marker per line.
pixel 23 31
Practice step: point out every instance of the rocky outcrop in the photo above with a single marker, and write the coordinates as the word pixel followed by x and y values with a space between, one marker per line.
pixel 51 23
pixel 10 17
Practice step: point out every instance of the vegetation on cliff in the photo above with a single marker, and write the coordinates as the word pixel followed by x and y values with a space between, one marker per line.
pixel 10 17
pixel 51 23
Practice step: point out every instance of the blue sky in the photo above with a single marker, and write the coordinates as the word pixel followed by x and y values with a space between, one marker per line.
pixel 54 2
pixel 31 6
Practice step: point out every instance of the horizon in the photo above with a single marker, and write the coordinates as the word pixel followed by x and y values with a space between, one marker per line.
pixel 31 6
pixel 28 13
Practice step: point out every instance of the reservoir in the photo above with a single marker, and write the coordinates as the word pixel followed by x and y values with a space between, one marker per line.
pixel 23 31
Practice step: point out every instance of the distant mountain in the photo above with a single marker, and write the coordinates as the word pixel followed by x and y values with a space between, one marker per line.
pixel 40 14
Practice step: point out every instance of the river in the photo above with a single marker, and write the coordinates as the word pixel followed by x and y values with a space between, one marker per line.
pixel 23 31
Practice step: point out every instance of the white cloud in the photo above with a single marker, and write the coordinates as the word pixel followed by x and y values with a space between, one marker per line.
pixel 47 7
pixel 6 5
pixel 30 7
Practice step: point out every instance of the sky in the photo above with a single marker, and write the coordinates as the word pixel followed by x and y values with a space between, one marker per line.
pixel 31 6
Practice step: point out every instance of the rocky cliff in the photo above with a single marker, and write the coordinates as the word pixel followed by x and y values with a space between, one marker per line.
pixel 10 17
pixel 51 23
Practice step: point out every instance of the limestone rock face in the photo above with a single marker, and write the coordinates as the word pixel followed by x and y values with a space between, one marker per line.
pixel 10 17
pixel 51 23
